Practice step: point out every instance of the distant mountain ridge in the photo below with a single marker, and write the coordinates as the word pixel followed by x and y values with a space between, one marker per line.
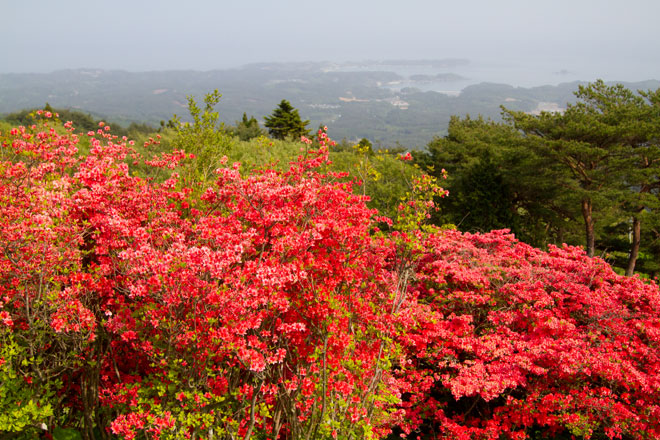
pixel 354 104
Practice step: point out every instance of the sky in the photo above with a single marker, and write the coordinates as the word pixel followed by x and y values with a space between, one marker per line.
pixel 621 36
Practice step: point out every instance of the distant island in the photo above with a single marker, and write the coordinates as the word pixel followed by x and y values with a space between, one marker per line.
pixel 435 64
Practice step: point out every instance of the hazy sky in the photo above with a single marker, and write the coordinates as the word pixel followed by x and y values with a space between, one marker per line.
pixel 139 35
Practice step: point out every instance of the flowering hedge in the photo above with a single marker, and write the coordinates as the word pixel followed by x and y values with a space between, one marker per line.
pixel 271 305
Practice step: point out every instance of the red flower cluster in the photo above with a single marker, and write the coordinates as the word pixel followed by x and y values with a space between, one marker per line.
pixel 512 339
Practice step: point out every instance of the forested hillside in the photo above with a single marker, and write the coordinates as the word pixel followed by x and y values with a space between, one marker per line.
pixel 383 106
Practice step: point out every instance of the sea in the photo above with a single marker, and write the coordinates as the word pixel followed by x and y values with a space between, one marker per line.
pixel 523 72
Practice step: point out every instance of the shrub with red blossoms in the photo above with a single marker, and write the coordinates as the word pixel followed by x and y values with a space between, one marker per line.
pixel 270 305
pixel 512 340
pixel 260 306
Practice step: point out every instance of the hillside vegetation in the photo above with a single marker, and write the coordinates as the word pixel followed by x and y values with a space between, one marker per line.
pixel 353 104
pixel 191 284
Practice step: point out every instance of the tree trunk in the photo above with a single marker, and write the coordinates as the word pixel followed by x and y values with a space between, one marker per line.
pixel 634 247
pixel 589 226
pixel 89 397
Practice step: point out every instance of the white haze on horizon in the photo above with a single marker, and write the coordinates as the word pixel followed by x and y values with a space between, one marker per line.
pixel 609 39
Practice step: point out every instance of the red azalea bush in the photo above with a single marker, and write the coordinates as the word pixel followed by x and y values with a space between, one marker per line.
pixel 269 305
pixel 512 340
pixel 259 306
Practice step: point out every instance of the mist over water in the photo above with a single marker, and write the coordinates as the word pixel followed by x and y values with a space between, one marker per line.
pixel 518 72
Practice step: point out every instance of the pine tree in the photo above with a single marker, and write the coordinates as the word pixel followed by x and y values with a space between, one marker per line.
pixel 285 121
pixel 608 143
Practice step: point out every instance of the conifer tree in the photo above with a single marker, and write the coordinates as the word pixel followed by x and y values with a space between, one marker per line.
pixel 586 146
pixel 608 143
pixel 495 182
pixel 285 122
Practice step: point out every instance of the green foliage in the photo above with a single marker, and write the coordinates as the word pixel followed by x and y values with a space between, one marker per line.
pixel 365 144
pixel 247 129
pixel 494 182
pixel 262 151
pixel 285 122
pixel 382 175
pixel 134 130
pixel 175 398
pixel 587 176
pixel 481 193
pixel 607 144
pixel 206 138
pixel 24 406
pixel 5 127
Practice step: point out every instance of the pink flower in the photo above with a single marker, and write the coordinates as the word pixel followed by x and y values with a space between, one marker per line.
pixel 5 318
